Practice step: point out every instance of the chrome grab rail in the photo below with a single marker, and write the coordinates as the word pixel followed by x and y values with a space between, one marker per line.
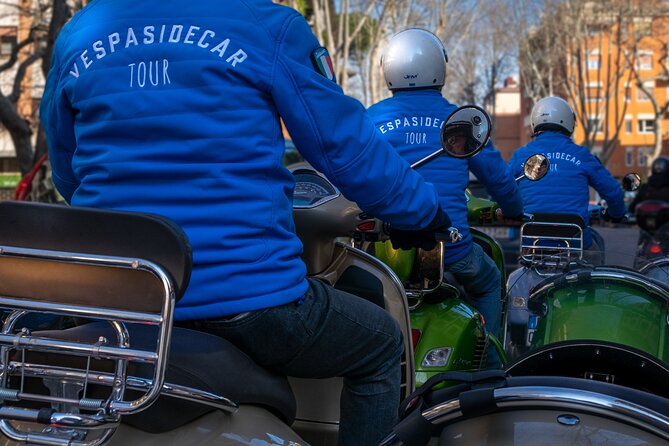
pixel 557 398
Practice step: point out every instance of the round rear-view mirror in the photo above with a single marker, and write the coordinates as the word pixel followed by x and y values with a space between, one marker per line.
pixel 466 131
pixel 631 182
pixel 536 167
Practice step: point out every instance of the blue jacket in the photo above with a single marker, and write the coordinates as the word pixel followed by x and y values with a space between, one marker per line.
pixel 411 120
pixel 564 190
pixel 172 107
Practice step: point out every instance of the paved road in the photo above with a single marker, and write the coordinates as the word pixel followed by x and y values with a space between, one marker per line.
pixel 620 242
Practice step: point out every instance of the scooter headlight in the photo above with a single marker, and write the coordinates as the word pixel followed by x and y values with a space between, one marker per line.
pixel 437 357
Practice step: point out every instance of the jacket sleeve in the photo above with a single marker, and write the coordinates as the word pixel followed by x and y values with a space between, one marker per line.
pixel 57 117
pixel 491 170
pixel 605 185
pixel 515 165
pixel 335 134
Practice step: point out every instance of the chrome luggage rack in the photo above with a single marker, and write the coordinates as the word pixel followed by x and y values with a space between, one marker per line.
pixel 47 272
pixel 550 244
pixel 67 410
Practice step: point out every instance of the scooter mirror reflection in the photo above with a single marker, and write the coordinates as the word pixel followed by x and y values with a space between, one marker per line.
pixel 536 167
pixel 465 132
pixel 631 181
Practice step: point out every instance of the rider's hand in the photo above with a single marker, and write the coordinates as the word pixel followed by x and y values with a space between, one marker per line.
pixel 422 238
pixel 607 217
pixel 502 219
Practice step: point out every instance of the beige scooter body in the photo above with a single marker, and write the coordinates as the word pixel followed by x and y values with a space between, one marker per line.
pixel 325 227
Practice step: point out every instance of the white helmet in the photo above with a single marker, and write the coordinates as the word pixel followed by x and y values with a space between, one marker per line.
pixel 552 113
pixel 414 58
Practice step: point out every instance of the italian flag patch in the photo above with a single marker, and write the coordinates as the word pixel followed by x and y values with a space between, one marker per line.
pixel 323 63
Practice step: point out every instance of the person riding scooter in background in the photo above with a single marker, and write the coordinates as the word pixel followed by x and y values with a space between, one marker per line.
pixel 414 67
pixel 565 189
pixel 148 111
pixel 657 187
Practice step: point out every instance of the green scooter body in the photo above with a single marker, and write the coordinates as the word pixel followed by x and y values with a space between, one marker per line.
pixel 620 307
pixel 444 325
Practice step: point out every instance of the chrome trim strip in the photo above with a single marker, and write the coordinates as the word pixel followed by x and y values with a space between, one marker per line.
pixel 132 382
pixel 76 310
pixel 621 275
pixel 657 263
pixel 37 438
pixel 562 398
pixel 77 348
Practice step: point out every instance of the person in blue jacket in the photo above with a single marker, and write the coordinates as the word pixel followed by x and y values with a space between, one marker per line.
pixel 173 108
pixel 565 189
pixel 414 67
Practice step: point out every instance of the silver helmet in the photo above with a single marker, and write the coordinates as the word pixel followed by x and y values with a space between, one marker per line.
pixel 552 113
pixel 414 58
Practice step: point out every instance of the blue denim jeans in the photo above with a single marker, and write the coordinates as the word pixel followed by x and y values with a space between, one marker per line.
pixel 479 276
pixel 329 333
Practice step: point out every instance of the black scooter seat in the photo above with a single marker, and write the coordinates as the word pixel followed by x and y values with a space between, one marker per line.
pixel 197 360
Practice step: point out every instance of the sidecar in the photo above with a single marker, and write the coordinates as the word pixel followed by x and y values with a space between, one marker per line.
pixel 611 304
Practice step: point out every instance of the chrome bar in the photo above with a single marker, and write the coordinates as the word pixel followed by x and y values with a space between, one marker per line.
pixel 134 383
pixel 77 348
pixel 77 310
pixel 608 274
pixel 560 398
pixel 47 439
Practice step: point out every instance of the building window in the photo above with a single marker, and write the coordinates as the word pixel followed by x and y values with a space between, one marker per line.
pixel 628 125
pixel 641 95
pixel 628 94
pixel 646 126
pixel 594 124
pixel 644 61
pixel 642 26
pixel 7 44
pixel 644 154
pixel 629 156
pixel 594 61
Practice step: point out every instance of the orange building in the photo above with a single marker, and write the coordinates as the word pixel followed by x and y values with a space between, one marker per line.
pixel 614 99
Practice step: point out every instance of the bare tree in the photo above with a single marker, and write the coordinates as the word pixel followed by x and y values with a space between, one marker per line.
pixel 649 63
pixel 585 46
pixel 40 22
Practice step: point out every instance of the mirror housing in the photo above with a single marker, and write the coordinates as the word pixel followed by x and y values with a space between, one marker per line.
pixel 466 131
pixel 631 182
